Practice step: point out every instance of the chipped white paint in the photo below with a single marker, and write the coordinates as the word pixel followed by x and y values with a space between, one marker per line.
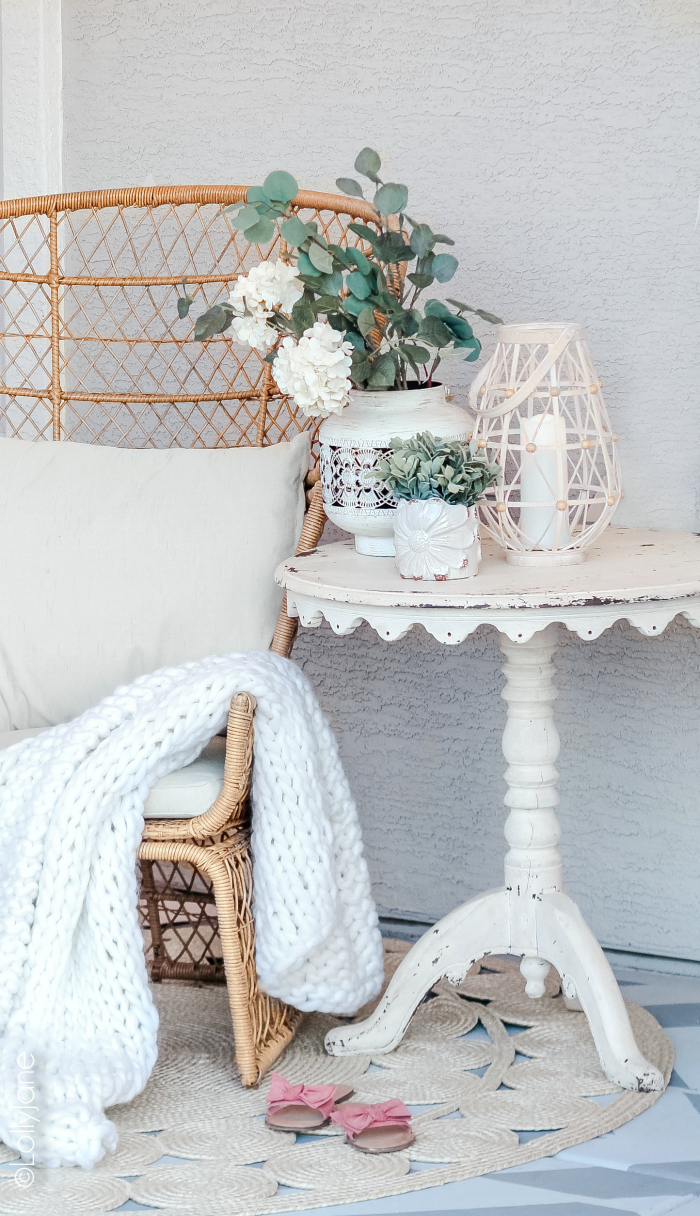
pixel 644 576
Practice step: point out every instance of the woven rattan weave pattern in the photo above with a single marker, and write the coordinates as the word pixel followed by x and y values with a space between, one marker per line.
pixel 92 350
pixel 469 1126
pixel 92 345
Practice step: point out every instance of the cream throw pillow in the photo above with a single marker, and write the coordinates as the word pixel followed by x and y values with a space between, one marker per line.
pixel 115 562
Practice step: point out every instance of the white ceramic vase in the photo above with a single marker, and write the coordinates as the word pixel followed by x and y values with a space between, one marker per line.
pixel 436 540
pixel 352 443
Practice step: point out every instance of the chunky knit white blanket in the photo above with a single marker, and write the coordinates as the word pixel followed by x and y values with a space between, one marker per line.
pixel 77 1019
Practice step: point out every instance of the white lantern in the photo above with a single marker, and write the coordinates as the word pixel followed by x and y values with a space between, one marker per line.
pixel 540 414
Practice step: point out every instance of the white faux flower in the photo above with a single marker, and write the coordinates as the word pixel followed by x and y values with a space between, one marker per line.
pixel 256 295
pixel 315 371
pixel 288 289
pixel 254 331
pixel 267 286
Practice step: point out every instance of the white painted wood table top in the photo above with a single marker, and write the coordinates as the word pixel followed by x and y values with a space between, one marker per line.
pixel 645 577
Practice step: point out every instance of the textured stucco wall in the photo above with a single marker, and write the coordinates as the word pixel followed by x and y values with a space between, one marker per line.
pixel 559 144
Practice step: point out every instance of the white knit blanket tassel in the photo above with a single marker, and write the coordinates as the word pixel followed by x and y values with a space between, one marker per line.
pixel 77 1018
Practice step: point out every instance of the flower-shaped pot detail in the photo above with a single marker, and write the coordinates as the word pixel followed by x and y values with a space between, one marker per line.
pixel 436 540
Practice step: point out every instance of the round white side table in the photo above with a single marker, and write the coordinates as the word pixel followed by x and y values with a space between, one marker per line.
pixel 644 577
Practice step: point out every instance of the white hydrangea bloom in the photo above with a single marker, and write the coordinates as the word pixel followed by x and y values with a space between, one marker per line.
pixel 254 331
pixel 254 297
pixel 267 286
pixel 315 371
pixel 287 286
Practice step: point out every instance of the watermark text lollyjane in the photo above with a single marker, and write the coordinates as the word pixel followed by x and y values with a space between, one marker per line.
pixel 26 1116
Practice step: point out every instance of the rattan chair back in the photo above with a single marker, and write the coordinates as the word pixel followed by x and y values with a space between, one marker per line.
pixel 91 346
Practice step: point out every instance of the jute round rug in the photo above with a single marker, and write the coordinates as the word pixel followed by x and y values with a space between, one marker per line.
pixel 477 1084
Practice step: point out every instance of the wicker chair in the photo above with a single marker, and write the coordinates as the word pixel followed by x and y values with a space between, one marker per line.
pixel 92 351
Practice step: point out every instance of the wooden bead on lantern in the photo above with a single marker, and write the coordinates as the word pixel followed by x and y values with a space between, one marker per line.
pixel 541 415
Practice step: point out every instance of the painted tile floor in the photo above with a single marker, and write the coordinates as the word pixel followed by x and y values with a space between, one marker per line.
pixel 649 1167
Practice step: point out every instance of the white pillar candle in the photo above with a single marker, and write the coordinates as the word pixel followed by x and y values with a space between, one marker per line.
pixel 539 490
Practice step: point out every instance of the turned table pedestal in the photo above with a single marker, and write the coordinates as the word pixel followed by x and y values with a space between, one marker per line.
pixel 644 577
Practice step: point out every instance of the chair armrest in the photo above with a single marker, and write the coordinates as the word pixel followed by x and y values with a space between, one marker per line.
pixel 314 523
pixel 231 802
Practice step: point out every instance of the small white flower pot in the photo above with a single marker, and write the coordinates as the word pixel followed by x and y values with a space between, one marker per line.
pixel 436 540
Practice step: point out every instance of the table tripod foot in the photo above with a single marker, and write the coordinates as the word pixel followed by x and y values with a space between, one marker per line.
pixel 564 939
pixel 449 948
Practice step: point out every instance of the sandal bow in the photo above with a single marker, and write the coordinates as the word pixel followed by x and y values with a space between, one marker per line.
pixel 283 1093
pixel 354 1118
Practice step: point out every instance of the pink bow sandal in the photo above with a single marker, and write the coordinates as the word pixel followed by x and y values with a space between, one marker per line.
pixel 384 1128
pixel 302 1108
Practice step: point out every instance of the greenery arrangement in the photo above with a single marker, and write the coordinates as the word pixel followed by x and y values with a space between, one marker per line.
pixel 426 466
pixel 391 333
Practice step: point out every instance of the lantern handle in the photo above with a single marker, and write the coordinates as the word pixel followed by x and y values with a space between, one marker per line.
pixel 512 403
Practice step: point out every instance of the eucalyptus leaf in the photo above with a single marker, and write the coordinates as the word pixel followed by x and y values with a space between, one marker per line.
pixel 473 345
pixel 326 303
pixel 441 239
pixel 185 301
pixel 355 340
pixel 356 282
pixel 367 234
pixel 422 240
pixel 353 306
pixel 368 163
pixel 391 199
pixel 216 320
pixel 294 232
pixel 280 186
pixel 331 284
pixel 383 372
pixel 436 308
pixel 260 233
pixel 361 367
pixel 444 267
pixel 434 331
pixel 320 258
pixel 420 280
pixel 479 312
pixel 270 356
pixel 413 355
pixel 303 316
pixel 349 186
pixel 245 218
pixel 390 247
pixel 366 321
pixel 461 329
pixel 358 259
pixel 256 194
pixel 305 267
pixel 419 353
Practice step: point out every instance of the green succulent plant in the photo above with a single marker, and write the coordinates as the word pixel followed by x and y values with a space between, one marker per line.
pixel 426 466
pixel 361 295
